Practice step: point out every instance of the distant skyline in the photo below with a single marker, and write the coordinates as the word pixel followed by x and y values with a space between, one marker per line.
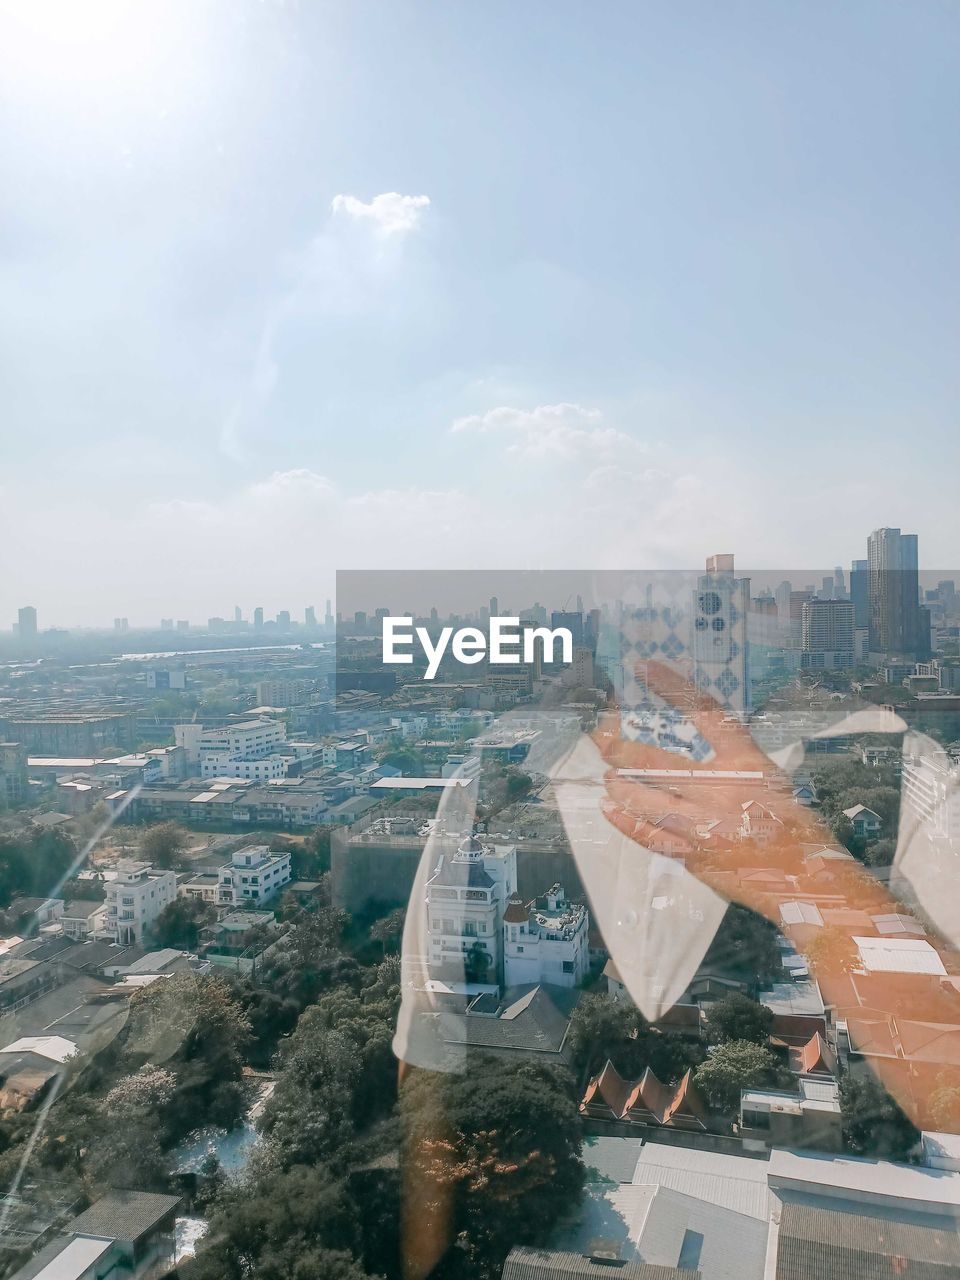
pixel 288 289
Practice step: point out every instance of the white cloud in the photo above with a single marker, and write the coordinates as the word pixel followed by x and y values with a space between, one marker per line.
pixel 558 432
pixel 390 213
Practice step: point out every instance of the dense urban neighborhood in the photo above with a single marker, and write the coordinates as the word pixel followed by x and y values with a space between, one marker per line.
pixel 234 858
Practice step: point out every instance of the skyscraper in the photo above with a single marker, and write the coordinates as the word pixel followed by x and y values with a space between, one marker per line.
pixel 27 622
pixel 894 593
pixel 827 628
pixel 860 594
pixel 258 618
pixel 310 616
pixel 720 645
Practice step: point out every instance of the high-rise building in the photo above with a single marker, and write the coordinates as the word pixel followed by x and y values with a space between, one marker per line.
pixel 839 584
pixel 720 644
pixel 310 616
pixel 258 618
pixel 827 628
pixel 237 613
pixel 896 624
pixel 860 594
pixel 328 615
pixel 27 622
pixel 283 619
pixel 121 624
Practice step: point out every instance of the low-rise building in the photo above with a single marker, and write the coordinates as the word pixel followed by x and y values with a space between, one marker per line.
pixel 253 875
pixel 866 824
pixel 545 940
pixel 135 899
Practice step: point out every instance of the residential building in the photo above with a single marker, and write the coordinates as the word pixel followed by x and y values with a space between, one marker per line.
pixel 466 898
pixel 866 824
pixel 135 899
pixel 827 629
pixel 125 1233
pixel 83 917
pixel 253 875
pixel 931 789
pixel 809 1118
pixel 545 940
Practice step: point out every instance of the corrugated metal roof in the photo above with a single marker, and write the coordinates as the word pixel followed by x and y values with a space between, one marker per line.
pixel 731 1182
pixel 821 1244
pixel 550 1264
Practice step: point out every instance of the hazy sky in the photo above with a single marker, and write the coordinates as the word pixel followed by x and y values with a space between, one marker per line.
pixel 295 287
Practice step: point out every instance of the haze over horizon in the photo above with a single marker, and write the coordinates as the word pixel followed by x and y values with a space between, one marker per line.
pixel 288 290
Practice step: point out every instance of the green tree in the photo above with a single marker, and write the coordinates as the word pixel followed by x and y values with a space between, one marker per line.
pixel 737 1017
pixel 501 1147
pixel 389 929
pixel 602 1028
pixel 296 1224
pixel 197 1026
pixel 745 943
pixel 179 923
pixel 163 844
pixel 732 1066
pixel 831 952
pixel 873 1124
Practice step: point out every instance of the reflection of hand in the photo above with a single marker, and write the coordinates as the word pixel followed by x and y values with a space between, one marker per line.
pixel 717 845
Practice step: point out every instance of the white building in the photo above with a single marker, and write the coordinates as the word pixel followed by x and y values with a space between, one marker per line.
pixel 931 785
pixel 545 940
pixel 253 875
pixel 245 750
pixel 466 899
pixel 135 899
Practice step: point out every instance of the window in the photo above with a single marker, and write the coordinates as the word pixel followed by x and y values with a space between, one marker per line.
pixel 568 966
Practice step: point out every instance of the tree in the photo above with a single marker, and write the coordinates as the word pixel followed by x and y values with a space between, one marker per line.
pixel 179 923
pixel 197 1026
pixel 477 963
pixel 832 952
pixel 296 1224
pixel 737 1017
pixel 602 1028
pixel 745 943
pixel 389 928
pixel 873 1124
pixel 337 1073
pixel 163 844
pixel 34 862
pixel 499 1147
pixel 731 1067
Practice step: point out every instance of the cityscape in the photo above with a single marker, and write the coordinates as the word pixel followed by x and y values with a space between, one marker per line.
pixel 332 864
pixel 479 640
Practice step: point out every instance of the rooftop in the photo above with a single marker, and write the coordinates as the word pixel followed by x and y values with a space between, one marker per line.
pixel 899 955
pixel 125 1215
pixel 551 1264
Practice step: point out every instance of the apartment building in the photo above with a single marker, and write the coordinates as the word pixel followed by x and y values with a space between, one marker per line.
pixel 135 899
pixel 234 750
pixel 545 940
pixel 253 875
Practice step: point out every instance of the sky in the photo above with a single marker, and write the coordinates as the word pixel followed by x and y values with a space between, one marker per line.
pixel 292 288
